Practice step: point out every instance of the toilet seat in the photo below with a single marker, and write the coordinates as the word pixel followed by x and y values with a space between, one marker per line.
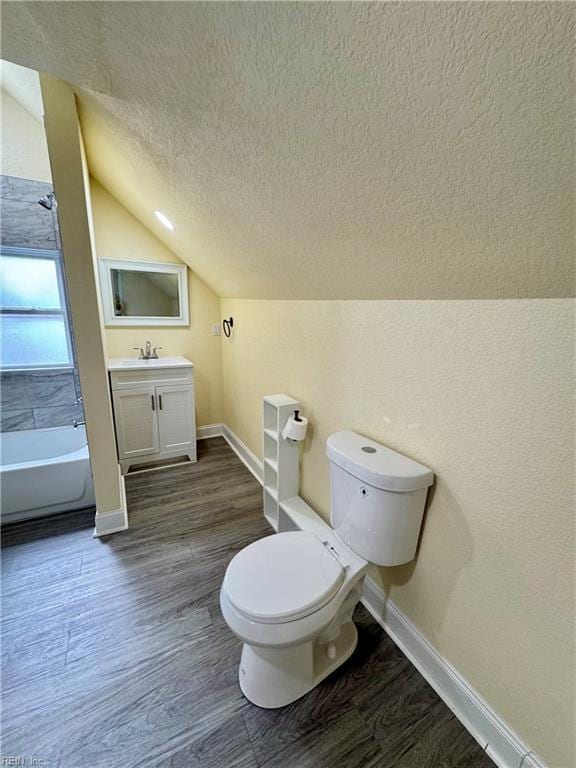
pixel 282 577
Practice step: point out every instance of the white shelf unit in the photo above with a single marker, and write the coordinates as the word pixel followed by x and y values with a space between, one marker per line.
pixel 281 457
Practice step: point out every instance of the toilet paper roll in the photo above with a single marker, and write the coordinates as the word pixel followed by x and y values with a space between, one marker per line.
pixel 295 430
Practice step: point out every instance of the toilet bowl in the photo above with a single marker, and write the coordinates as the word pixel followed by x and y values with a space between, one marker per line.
pixel 289 597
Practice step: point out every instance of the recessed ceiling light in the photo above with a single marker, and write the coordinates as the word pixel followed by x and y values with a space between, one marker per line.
pixel 165 220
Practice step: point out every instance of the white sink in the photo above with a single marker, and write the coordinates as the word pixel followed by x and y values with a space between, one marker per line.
pixel 118 363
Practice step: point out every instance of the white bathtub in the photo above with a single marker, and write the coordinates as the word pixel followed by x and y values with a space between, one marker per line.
pixel 44 471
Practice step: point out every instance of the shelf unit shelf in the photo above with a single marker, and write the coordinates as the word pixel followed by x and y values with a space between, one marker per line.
pixel 281 457
pixel 270 519
pixel 272 493
pixel 272 463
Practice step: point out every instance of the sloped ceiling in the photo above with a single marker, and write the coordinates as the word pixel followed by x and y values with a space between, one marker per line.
pixel 330 150
pixel 24 86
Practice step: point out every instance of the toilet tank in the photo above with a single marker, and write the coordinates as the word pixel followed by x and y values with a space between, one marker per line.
pixel 377 498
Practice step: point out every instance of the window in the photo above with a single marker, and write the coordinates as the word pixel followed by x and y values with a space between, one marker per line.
pixel 35 331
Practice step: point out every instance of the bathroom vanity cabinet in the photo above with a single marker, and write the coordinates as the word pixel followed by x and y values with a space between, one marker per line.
pixel 153 409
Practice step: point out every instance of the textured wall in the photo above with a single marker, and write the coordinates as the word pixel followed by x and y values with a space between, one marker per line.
pixel 480 391
pixel 331 150
pixel 120 236
pixel 24 151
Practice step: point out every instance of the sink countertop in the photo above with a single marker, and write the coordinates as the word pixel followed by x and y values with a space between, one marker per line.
pixel 131 363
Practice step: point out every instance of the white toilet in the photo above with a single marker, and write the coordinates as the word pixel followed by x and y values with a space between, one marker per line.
pixel 290 596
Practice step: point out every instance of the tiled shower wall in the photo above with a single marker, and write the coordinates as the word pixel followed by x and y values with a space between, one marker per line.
pixel 35 398
pixel 24 223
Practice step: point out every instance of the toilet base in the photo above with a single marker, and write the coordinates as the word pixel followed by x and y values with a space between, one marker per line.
pixel 275 677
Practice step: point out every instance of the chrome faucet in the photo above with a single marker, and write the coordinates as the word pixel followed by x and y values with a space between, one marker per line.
pixel 150 353
pixel 77 424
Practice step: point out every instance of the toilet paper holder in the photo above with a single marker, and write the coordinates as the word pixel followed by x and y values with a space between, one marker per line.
pixel 295 428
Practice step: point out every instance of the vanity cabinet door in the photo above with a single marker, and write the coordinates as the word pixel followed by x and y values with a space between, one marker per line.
pixel 135 414
pixel 176 418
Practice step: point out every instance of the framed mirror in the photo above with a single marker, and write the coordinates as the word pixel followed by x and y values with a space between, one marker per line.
pixel 144 293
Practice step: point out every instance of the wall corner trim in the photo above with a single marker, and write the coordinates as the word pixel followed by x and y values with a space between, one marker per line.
pixel 500 743
pixel 114 521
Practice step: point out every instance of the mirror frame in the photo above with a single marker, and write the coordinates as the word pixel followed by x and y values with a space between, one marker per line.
pixel 110 319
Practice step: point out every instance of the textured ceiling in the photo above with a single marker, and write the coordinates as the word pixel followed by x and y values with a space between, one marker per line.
pixel 330 150
pixel 24 86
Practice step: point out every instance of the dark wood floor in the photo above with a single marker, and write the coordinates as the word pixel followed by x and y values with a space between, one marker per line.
pixel 115 653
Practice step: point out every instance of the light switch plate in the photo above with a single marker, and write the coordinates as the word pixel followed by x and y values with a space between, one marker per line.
pixel 215 329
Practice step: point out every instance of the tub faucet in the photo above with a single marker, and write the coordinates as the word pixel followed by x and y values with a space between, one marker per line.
pixel 77 424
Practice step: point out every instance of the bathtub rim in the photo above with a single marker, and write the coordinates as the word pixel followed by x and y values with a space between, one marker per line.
pixel 80 454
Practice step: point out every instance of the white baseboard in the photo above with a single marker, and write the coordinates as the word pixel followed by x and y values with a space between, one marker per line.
pixel 209 430
pixel 490 731
pixel 116 520
pixel 244 453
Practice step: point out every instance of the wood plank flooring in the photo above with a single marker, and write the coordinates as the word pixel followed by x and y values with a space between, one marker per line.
pixel 115 654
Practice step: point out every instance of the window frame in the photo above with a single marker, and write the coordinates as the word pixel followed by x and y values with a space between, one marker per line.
pixel 56 257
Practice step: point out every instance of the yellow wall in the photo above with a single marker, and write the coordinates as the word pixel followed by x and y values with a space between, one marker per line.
pixel 24 150
pixel 479 391
pixel 121 236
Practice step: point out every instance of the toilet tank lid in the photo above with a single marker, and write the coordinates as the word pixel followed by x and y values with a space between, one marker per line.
pixel 376 464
